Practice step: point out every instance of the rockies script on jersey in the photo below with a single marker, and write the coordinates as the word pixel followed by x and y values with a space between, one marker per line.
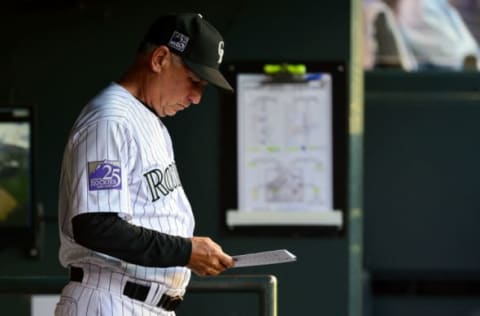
pixel 119 158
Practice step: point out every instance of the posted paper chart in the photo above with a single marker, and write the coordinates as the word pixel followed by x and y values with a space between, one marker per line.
pixel 285 145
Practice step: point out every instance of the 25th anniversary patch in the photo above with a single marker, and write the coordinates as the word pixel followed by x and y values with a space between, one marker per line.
pixel 104 175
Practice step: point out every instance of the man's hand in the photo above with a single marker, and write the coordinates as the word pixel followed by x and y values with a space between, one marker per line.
pixel 208 257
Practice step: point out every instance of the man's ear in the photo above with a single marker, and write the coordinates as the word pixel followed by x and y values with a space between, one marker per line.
pixel 159 58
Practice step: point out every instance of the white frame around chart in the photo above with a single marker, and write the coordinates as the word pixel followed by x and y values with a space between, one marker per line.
pixel 285 153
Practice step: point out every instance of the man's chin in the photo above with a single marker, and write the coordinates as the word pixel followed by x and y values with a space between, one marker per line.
pixel 171 113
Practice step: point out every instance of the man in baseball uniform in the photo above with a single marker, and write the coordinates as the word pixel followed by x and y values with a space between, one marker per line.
pixel 126 226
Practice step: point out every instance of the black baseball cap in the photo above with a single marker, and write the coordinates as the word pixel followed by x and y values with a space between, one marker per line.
pixel 195 40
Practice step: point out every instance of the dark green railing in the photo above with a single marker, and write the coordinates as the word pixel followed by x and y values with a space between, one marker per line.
pixel 264 285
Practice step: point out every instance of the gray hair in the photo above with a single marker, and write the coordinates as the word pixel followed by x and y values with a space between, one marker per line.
pixel 146 47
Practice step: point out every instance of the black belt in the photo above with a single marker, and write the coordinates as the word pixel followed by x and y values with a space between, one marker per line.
pixel 136 291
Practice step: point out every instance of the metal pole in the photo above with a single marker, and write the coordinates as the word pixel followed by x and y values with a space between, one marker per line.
pixel 264 285
pixel 355 220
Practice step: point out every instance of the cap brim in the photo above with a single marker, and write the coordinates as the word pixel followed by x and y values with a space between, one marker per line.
pixel 211 75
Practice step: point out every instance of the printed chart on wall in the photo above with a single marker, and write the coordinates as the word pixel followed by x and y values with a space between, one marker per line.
pixel 285 150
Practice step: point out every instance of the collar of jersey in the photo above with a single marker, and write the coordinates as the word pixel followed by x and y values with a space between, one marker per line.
pixel 146 105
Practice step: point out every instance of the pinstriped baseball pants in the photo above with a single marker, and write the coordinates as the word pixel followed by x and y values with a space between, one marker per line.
pixel 79 299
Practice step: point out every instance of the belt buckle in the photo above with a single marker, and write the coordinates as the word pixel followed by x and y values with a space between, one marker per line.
pixel 170 303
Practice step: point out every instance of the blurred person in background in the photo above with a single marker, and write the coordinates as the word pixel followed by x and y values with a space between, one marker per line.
pixel 436 34
pixel 384 45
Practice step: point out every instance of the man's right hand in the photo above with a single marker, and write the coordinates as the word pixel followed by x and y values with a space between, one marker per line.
pixel 208 257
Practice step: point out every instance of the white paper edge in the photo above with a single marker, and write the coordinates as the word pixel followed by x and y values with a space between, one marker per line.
pixel 282 218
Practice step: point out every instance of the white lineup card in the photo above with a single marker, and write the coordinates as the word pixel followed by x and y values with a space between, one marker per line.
pixel 263 258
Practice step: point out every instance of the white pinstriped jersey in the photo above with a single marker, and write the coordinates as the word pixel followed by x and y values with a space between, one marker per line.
pixel 119 158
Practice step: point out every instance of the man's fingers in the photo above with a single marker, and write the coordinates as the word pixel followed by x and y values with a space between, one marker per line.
pixel 213 272
pixel 227 261
pixel 208 257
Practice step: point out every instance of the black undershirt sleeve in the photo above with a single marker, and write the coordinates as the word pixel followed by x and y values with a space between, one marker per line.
pixel 109 234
